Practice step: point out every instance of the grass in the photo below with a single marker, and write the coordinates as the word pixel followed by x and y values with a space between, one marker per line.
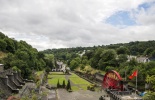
pixel 75 88
pixel 54 81
pixel 56 73
pixel 53 78
pixel 77 80
pixel 84 87
pixel 38 73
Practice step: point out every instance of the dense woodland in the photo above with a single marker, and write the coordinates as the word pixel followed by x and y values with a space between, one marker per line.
pixel 109 57
pixel 19 55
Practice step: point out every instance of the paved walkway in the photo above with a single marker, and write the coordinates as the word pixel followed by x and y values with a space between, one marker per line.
pixel 26 89
pixel 79 95
pixel 51 94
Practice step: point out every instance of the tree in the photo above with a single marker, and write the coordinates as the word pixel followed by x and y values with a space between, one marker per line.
pixel 15 68
pixel 63 85
pixel 10 45
pixel 153 54
pixel 148 51
pixel 108 58
pixel 3 45
pixel 2 36
pixel 58 84
pixel 122 58
pixel 149 96
pixel 22 55
pixel 122 50
pixel 68 87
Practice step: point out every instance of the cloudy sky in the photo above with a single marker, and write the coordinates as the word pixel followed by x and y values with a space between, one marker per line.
pixel 70 23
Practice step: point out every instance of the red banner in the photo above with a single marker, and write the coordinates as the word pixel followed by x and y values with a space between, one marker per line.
pixel 133 74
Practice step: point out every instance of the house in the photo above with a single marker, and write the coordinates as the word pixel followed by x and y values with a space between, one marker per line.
pixel 142 59
pixel 131 57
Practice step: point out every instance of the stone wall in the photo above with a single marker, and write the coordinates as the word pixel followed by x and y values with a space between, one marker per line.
pixel 10 82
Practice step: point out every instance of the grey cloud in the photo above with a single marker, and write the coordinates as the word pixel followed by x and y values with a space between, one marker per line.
pixel 69 23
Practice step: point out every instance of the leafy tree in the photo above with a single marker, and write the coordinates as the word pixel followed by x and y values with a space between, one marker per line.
pixel 14 68
pixel 122 50
pixel 133 62
pixel 10 45
pixel 73 64
pixel 22 55
pixel 95 59
pixel 58 84
pixel 148 51
pixel 122 58
pixel 153 54
pixel 63 85
pixel 151 80
pixel 108 58
pixel 49 60
pixel 149 96
pixel 48 69
pixel 68 87
pixel 2 36
pixel 3 45
pixel 108 68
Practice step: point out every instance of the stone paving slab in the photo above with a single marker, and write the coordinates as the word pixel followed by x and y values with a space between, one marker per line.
pixel 79 95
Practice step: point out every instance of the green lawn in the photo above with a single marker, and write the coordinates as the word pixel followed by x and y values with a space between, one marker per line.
pixel 84 87
pixel 77 80
pixel 56 73
pixel 55 76
pixel 80 83
pixel 75 88
pixel 54 81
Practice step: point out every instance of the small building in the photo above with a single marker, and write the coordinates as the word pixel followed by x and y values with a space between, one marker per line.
pixel 142 59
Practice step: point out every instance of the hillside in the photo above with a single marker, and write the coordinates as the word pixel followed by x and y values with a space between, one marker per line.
pixel 2 55
pixel 113 56
pixel 21 55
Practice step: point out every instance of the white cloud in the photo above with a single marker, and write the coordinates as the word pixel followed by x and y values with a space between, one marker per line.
pixel 70 23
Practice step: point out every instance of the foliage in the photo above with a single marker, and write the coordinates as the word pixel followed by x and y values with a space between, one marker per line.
pixel 63 84
pixel 149 96
pixel 14 68
pixel 22 55
pixel 68 87
pixel 58 84
pixel 151 81
pixel 3 45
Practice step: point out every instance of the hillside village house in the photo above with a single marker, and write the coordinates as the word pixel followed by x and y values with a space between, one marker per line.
pixel 141 59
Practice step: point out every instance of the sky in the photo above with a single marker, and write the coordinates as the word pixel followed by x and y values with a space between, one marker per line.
pixel 48 24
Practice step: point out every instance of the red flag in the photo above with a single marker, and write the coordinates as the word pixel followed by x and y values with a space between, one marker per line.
pixel 133 74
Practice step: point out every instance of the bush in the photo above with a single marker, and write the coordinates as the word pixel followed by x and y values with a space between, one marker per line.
pixel 68 87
